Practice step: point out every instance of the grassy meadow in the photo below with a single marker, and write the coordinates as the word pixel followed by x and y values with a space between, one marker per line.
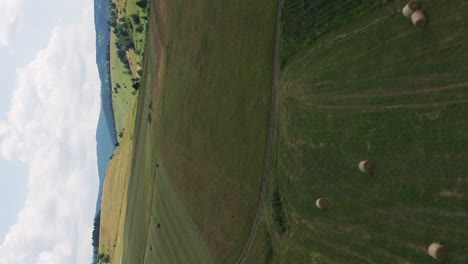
pixel 123 95
pixel 203 116
pixel 261 250
pixel 375 88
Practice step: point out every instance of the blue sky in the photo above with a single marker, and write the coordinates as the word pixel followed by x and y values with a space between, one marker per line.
pixel 49 106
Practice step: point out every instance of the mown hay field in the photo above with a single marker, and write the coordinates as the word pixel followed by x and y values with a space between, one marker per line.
pixel 203 111
pixel 376 88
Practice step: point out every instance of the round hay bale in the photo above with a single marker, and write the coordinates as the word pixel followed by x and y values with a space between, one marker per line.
pixel 322 203
pixel 414 5
pixel 366 166
pixel 437 251
pixel 419 19
pixel 410 8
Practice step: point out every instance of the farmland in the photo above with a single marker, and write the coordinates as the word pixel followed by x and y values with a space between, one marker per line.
pixel 375 88
pixel 209 99
pixel 204 96
pixel 305 21
pixel 114 198
pixel 362 83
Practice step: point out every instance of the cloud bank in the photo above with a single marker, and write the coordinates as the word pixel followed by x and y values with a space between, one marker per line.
pixel 51 127
pixel 9 13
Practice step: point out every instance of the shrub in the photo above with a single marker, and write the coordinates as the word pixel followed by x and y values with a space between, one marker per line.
pixel 278 213
pixel 139 28
pixel 141 3
pixel 135 18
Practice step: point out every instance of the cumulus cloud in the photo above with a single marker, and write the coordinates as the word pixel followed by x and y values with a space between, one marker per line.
pixel 9 13
pixel 51 126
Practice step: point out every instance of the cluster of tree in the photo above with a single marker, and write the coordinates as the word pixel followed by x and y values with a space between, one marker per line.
pixel 123 30
pixel 108 59
pixel 278 213
pixel 117 86
pixel 103 258
pixel 137 21
pixel 135 18
pixel 135 83
pixel 142 3
pixel 95 237
pixel 113 14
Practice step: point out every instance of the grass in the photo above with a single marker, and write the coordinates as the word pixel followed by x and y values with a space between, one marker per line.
pixel 114 198
pixel 121 81
pixel 261 251
pixel 207 76
pixel 305 21
pixel 214 115
pixel 123 99
pixel 376 88
pixel 177 240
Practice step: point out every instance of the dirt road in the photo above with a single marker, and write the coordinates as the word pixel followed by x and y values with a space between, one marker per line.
pixel 273 104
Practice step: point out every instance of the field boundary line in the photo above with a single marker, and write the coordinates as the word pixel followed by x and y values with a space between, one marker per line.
pixel 271 125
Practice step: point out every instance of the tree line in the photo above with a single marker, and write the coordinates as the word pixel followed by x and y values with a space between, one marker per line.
pixel 95 236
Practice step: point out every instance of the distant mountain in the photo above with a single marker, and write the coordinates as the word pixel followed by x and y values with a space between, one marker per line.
pixel 101 19
pixel 106 136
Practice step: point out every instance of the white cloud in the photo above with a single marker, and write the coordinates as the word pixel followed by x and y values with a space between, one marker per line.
pixel 9 13
pixel 51 127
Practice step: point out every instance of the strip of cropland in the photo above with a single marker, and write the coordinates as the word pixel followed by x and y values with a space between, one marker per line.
pixel 202 115
pixel 375 88
pixel 114 198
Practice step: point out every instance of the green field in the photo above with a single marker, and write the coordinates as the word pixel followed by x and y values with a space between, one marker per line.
pixel 361 83
pixel 261 249
pixel 123 98
pixel 203 115
pixel 177 240
pixel 123 95
pixel 376 88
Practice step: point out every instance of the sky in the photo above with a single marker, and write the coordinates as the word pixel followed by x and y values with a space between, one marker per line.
pixel 49 108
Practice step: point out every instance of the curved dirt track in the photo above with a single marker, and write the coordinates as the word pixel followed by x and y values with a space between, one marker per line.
pixel 271 125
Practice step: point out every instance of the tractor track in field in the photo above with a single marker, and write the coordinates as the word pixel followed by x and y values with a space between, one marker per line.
pixel 425 90
pixel 387 107
pixel 271 126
